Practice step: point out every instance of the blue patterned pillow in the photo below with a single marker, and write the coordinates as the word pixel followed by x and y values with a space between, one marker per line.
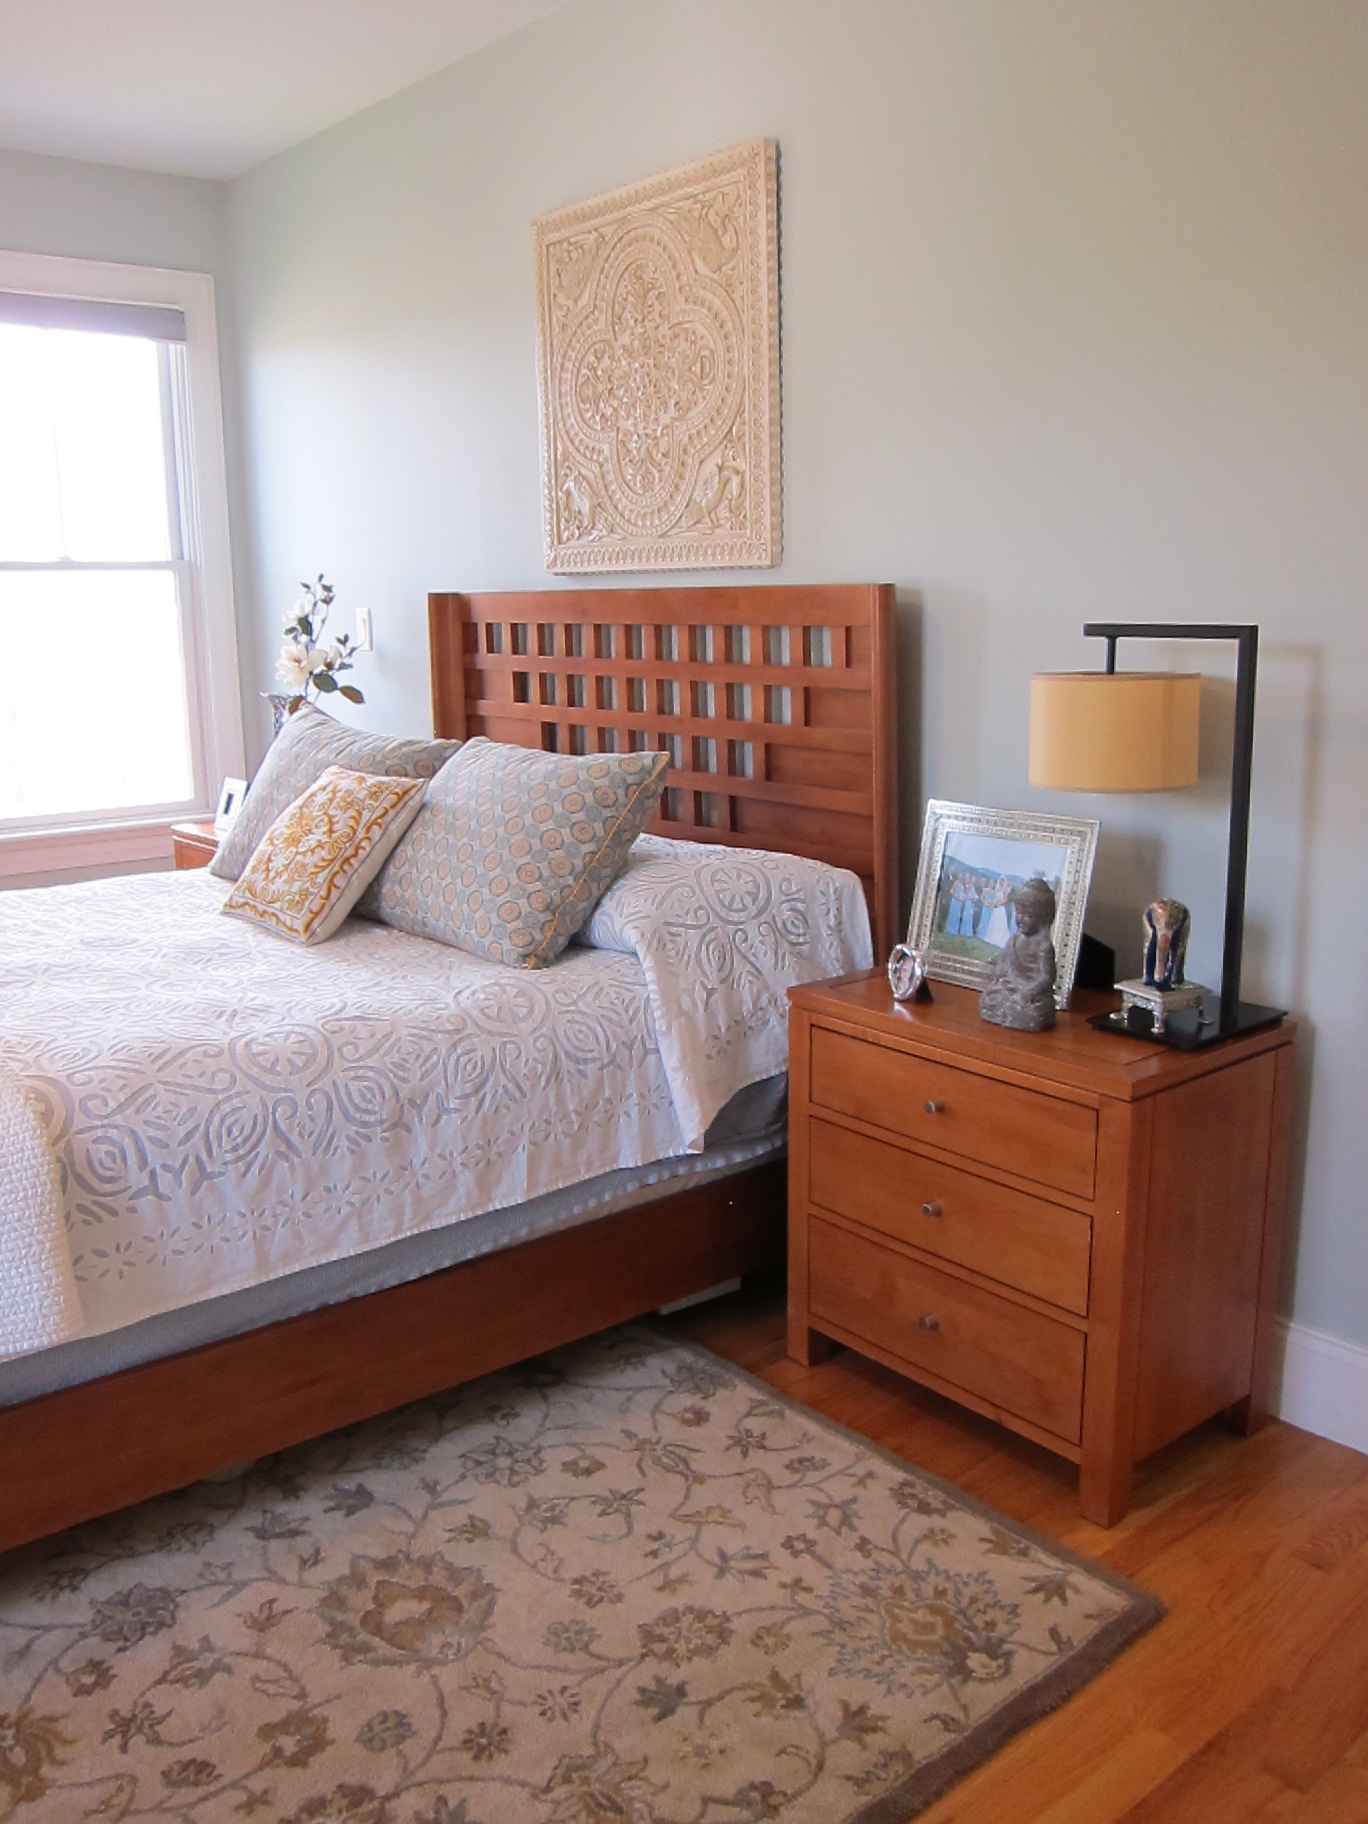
pixel 513 848
pixel 308 743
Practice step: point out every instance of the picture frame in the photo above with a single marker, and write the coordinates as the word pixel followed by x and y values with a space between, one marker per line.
pixel 984 853
pixel 231 794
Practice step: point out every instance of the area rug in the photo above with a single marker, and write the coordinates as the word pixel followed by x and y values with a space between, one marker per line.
pixel 624 1584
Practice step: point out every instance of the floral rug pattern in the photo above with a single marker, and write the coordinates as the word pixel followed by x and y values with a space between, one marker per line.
pixel 623 1584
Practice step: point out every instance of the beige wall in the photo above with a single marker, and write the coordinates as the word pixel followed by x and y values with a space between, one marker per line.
pixel 1075 324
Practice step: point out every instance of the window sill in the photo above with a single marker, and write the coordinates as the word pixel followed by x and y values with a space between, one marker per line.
pixel 110 848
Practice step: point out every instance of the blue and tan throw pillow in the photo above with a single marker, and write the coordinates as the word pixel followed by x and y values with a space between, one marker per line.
pixel 323 851
pixel 513 848
pixel 307 743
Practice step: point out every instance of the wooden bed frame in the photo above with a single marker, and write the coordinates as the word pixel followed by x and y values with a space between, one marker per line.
pixel 777 706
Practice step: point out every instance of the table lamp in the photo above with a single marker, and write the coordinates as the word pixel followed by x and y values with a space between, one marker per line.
pixel 1136 731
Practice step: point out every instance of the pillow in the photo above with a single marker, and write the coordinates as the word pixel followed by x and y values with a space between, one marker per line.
pixel 323 851
pixel 308 742
pixel 513 848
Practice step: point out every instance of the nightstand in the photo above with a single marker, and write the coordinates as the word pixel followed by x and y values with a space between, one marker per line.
pixel 1075 1234
pixel 193 845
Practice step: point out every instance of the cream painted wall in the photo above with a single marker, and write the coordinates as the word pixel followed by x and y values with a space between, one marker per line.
pixel 1075 324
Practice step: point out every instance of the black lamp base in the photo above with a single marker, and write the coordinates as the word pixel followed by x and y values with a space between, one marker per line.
pixel 1190 1028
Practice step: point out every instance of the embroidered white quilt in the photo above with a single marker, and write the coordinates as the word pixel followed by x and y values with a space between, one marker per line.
pixel 722 935
pixel 39 1303
pixel 224 1108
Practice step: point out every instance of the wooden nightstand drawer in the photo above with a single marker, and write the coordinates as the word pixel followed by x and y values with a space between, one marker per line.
pixel 1016 1359
pixel 1019 1240
pixel 1039 1137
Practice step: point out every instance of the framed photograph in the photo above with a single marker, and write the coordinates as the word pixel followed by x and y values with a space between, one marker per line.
pixel 972 859
pixel 231 794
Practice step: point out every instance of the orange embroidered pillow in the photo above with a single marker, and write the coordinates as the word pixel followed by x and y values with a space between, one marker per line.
pixel 322 852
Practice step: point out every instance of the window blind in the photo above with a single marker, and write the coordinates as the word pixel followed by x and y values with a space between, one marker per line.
pixel 35 310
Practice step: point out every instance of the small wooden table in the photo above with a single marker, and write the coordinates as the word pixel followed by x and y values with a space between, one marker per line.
pixel 193 845
pixel 1076 1234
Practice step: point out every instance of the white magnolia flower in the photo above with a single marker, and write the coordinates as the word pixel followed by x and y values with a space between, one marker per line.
pixel 328 658
pixel 295 666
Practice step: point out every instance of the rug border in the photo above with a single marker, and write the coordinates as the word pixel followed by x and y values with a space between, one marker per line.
pixel 1050 1693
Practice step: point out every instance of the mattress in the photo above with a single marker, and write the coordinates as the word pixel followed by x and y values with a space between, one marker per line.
pixel 751 1129
pixel 227 1110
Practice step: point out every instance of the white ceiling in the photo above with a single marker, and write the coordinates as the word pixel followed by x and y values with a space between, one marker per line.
pixel 209 88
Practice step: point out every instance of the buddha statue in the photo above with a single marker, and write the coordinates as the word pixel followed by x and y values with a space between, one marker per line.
pixel 1020 990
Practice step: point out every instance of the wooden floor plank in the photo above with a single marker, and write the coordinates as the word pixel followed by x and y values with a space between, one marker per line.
pixel 1340 1798
pixel 1319 1715
pixel 1249 1704
pixel 1332 1543
pixel 1209 1789
pixel 1139 1762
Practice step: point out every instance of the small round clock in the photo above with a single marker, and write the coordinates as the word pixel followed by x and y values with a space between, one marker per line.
pixel 907 973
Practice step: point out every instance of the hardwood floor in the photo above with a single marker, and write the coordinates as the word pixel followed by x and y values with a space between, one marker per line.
pixel 1249 1702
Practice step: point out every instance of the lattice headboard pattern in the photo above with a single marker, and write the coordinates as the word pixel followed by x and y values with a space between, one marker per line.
pixel 775 704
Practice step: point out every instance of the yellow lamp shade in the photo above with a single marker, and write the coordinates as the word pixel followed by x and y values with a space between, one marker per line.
pixel 1124 731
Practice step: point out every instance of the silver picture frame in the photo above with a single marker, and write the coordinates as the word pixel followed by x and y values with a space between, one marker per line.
pixel 971 858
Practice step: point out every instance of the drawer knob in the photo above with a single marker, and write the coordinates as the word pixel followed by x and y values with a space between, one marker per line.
pixel 931 1209
pixel 929 1322
pixel 934 1107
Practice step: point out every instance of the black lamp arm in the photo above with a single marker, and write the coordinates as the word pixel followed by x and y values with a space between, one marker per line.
pixel 1241 775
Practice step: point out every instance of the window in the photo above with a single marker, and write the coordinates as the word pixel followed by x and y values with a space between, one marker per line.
pixel 118 671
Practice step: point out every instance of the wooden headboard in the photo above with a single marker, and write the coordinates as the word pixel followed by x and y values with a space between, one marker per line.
pixel 775 704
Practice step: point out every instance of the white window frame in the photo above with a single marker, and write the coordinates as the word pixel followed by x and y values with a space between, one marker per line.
pixel 209 624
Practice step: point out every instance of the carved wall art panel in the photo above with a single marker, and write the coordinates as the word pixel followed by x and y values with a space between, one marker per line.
pixel 658 370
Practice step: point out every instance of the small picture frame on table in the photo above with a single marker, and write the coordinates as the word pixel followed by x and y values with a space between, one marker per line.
pixel 972 859
pixel 231 794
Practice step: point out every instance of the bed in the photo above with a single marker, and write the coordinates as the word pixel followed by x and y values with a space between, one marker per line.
pixel 776 706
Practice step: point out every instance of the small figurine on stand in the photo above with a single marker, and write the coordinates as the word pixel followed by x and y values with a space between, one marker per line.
pixel 1020 992
pixel 1163 989
pixel 1167 923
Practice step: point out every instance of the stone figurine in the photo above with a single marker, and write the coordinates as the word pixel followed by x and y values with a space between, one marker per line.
pixel 1167 923
pixel 1020 990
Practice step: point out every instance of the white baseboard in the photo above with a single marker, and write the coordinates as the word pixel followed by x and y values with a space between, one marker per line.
pixel 1323 1385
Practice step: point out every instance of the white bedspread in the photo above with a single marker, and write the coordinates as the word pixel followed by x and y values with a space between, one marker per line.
pixel 722 935
pixel 224 1107
pixel 39 1303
